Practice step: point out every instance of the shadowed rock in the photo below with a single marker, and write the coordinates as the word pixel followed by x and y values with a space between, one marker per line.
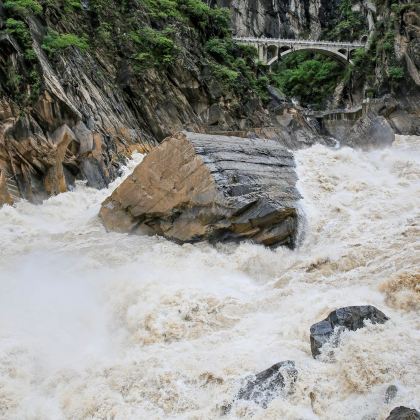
pixel 197 187
pixel 265 386
pixel 404 413
pixel 350 318
pixel 390 393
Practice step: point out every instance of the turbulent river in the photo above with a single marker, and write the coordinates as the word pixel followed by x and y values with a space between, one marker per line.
pixel 97 325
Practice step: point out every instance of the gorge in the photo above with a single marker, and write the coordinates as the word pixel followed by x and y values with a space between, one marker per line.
pixel 188 233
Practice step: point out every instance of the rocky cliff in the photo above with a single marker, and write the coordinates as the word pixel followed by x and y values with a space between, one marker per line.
pixel 78 94
pixel 84 83
pixel 281 19
pixel 391 28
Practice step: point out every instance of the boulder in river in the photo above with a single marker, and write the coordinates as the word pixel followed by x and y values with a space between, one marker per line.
pixel 267 385
pixel 404 413
pixel 195 187
pixel 350 318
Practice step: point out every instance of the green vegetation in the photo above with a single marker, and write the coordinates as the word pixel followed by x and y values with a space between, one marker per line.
pixel 15 81
pixel 348 25
pixel 309 77
pixel 396 73
pixel 54 41
pixel 23 7
pixel 156 48
pixel 235 68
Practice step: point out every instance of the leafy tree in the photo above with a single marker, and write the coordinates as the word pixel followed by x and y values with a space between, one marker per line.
pixel 309 77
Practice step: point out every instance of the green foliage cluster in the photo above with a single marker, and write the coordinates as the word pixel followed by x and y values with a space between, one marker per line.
pixel 309 77
pixel 54 42
pixel 15 80
pixel 349 25
pixel 212 20
pixel 155 47
pixel 379 67
pixel 235 68
pixel 23 7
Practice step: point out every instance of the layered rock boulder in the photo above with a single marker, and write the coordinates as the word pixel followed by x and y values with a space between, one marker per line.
pixel 350 318
pixel 195 187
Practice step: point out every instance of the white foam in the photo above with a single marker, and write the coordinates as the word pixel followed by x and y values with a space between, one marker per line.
pixel 105 325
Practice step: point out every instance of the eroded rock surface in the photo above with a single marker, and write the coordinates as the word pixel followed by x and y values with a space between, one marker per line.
pixel 350 318
pixel 197 187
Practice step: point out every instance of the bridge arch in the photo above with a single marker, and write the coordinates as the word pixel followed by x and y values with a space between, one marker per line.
pixel 340 55
pixel 271 50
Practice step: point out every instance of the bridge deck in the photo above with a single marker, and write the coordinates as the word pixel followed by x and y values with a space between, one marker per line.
pixel 281 41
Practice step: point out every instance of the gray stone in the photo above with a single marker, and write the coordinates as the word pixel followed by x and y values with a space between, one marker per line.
pixel 370 131
pixel 267 385
pixel 350 318
pixel 404 413
pixel 93 173
pixel 390 393
pixel 197 187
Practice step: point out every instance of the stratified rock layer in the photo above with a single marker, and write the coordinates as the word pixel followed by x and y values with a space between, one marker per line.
pixel 350 318
pixel 197 187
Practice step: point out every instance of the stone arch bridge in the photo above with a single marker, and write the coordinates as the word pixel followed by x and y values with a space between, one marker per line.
pixel 271 50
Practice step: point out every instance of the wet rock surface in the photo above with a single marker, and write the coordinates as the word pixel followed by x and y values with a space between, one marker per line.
pixel 197 187
pixel 269 384
pixel 350 318
pixel 404 413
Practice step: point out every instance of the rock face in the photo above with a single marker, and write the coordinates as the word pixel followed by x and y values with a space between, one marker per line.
pixel 108 109
pixel 370 131
pixel 280 19
pixel 350 318
pixel 265 386
pixel 197 187
pixel 404 413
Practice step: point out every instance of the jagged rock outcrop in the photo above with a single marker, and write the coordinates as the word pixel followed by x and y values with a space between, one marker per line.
pixel 107 107
pixel 265 386
pixel 404 413
pixel 280 19
pixel 350 318
pixel 370 131
pixel 197 187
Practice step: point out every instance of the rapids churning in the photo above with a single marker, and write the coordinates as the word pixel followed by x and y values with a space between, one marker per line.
pixel 97 325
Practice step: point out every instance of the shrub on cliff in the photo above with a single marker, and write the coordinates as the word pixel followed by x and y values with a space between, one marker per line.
pixel 23 7
pixel 54 41
pixel 156 48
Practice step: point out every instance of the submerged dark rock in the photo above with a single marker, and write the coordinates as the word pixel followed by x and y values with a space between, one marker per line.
pixel 196 187
pixel 350 318
pixel 267 385
pixel 390 393
pixel 404 413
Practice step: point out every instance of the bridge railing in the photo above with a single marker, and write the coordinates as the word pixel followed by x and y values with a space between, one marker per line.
pixel 264 40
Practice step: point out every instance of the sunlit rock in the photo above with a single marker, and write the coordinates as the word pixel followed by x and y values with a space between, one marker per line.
pixel 197 187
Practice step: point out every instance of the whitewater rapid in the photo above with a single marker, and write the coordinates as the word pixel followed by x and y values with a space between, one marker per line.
pixel 97 325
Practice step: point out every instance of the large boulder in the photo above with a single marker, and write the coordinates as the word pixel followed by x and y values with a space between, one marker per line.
pixel 197 187
pixel 350 318
pixel 404 413
pixel 267 385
